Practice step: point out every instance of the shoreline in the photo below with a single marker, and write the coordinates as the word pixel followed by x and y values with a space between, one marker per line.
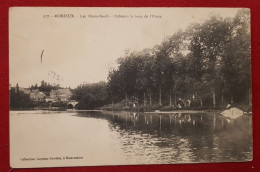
pixel 101 110
pixel 208 111
pixel 179 111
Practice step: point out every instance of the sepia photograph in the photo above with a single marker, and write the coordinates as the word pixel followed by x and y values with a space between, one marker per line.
pixel 97 86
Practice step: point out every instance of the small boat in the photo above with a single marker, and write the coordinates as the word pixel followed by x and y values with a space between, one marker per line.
pixel 232 113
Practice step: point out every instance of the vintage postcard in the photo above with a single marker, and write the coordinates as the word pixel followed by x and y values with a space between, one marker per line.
pixel 122 86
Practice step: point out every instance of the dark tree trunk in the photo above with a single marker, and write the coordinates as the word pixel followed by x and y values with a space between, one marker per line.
pixel 144 100
pixel 150 99
pixel 222 96
pixel 160 95
pixel 170 97
pixel 249 97
pixel 214 97
pixel 125 100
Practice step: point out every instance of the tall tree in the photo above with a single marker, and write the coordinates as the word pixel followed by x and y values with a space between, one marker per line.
pixel 212 35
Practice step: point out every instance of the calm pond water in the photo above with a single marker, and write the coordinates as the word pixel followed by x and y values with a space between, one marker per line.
pixel 116 138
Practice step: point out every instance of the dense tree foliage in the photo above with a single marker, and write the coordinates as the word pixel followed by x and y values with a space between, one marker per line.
pixel 45 87
pixel 209 61
pixel 91 96
pixel 18 99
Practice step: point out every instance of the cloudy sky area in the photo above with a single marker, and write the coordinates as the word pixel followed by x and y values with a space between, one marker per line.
pixel 84 49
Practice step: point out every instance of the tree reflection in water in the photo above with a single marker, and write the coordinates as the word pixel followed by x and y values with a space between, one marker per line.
pixel 179 138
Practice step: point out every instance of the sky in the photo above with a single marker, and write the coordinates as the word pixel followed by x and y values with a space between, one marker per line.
pixel 71 51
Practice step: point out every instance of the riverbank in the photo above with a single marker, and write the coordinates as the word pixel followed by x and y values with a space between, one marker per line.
pixel 160 109
pixel 155 109
pixel 123 106
pixel 144 109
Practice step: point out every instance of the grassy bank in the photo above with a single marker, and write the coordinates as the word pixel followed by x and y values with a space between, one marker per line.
pixel 121 106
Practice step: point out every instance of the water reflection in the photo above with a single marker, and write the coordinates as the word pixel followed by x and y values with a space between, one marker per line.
pixel 170 138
